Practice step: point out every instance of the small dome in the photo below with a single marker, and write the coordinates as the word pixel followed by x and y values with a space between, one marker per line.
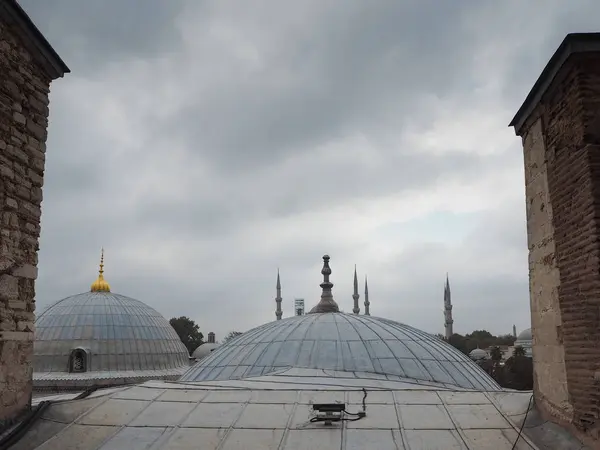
pixel 341 342
pixel 120 334
pixel 204 350
pixel 478 354
pixel 525 335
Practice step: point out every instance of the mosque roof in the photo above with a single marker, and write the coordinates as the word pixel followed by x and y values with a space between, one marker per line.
pixel 335 341
pixel 278 407
pixel 120 334
pixel 525 335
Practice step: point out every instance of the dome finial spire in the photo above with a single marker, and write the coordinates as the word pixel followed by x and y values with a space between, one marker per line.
pixel 327 303
pixel 100 285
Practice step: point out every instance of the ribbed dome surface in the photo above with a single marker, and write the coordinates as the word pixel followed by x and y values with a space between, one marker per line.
pixel 341 342
pixel 121 334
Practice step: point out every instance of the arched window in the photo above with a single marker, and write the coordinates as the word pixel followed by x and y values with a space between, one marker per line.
pixel 78 361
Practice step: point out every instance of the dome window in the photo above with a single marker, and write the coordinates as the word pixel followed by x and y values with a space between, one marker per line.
pixel 78 361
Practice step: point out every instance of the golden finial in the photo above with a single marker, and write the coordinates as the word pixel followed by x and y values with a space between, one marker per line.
pixel 100 285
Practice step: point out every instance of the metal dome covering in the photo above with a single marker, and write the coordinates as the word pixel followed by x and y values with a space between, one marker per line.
pixel 525 335
pixel 204 350
pixel 478 353
pixel 120 333
pixel 341 342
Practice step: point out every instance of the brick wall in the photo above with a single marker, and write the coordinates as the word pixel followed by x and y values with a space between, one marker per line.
pixel 23 122
pixel 574 180
pixel 567 338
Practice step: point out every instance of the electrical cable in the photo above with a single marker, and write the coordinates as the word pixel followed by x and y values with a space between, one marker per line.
pixel 523 424
pixel 359 415
pixel 17 433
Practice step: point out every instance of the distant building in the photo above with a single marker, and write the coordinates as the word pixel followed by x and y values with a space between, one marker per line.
pixel 525 341
pixel 299 306
pixel 478 354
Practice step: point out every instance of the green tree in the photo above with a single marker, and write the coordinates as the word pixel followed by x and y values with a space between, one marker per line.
pixel 495 353
pixel 231 335
pixel 518 351
pixel 188 331
pixel 459 342
pixel 518 373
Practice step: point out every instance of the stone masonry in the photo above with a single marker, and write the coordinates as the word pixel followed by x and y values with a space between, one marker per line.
pixel 27 66
pixel 560 127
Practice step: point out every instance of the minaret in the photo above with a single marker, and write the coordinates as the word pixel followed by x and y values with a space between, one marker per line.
pixel 514 331
pixel 327 303
pixel 278 299
pixel 100 285
pixel 355 296
pixel 448 310
pixel 367 302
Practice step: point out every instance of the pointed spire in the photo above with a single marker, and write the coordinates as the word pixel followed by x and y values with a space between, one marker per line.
pixel 448 321
pixel 100 285
pixel 355 296
pixel 367 302
pixel 327 303
pixel 278 299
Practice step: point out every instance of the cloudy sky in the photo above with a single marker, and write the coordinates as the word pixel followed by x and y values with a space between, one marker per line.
pixel 204 144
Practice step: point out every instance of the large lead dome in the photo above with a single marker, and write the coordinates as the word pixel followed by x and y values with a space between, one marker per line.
pixel 121 334
pixel 103 335
pixel 341 342
pixel 330 340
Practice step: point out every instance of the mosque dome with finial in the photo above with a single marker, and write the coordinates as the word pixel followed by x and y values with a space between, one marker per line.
pixel 341 345
pixel 100 337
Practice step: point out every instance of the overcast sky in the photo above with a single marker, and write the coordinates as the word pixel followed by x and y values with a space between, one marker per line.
pixel 204 144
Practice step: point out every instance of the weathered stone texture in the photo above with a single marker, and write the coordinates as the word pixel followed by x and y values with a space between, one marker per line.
pixel 23 123
pixel 564 242
pixel 550 379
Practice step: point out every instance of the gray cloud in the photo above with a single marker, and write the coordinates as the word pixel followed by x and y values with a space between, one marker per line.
pixel 89 34
pixel 204 144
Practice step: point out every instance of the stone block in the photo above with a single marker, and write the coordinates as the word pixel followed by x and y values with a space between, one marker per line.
pixel 26 271
pixel 9 287
pixel 11 203
pixel 17 305
pixel 6 172
pixel 37 130
pixel 19 118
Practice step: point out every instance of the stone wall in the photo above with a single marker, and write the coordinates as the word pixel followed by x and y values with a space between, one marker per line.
pixel 24 93
pixel 550 379
pixel 562 139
